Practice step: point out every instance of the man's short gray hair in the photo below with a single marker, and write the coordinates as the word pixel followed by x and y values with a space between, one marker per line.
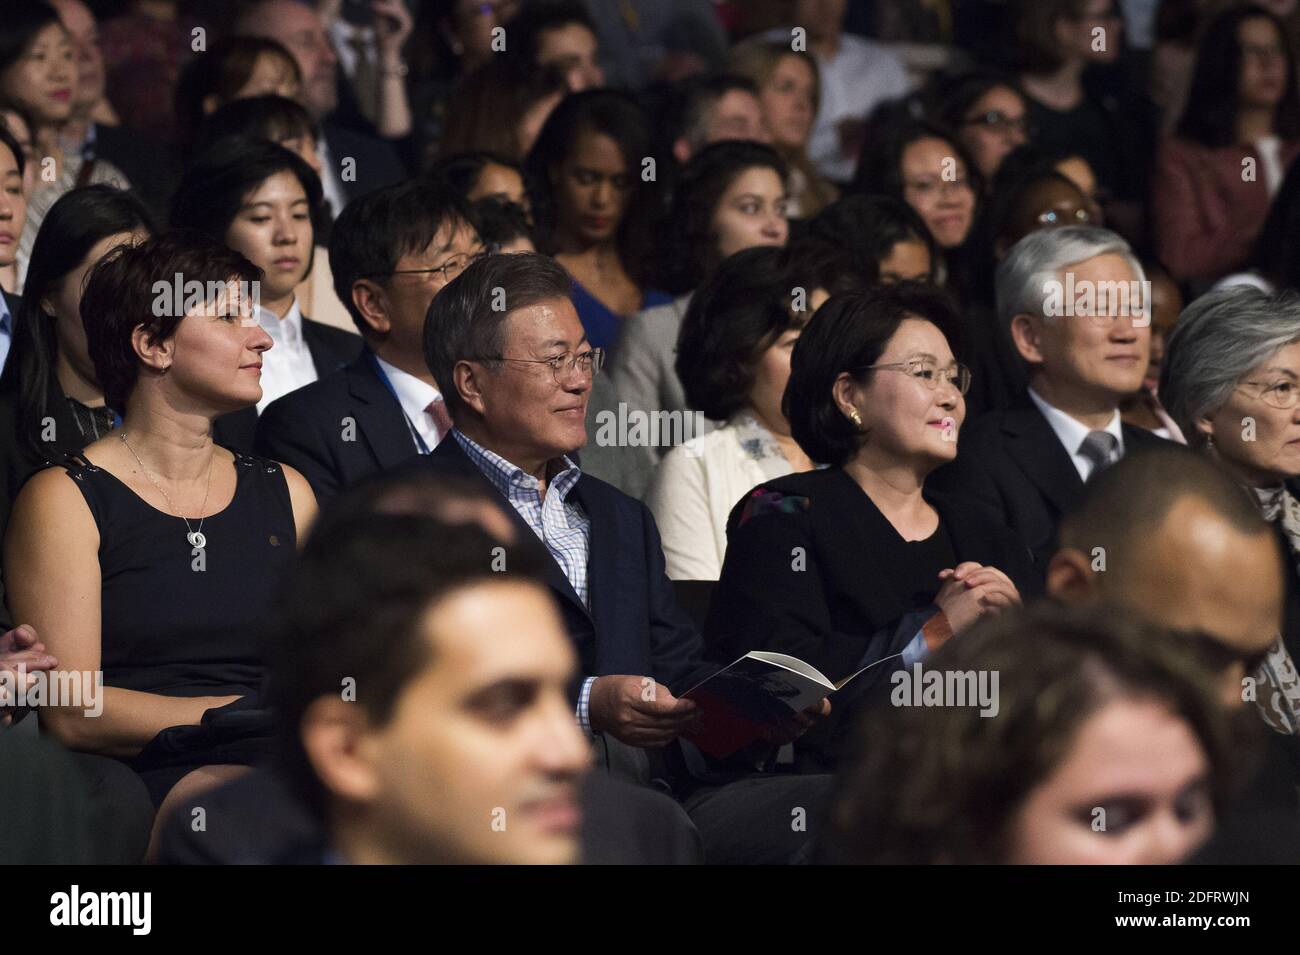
pixel 1042 256
pixel 1219 339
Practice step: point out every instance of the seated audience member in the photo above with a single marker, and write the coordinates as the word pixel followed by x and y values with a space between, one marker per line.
pixel 1173 538
pixel 38 73
pixel 153 555
pixel 1242 116
pixel 1143 407
pixel 391 252
pixel 264 202
pixel 1230 380
pixel 374 163
pixel 789 91
pixel 1028 161
pixel 711 109
pixel 503 226
pixel 1087 349
pixel 731 196
pixel 990 116
pixel 927 168
pixel 733 360
pixel 558 36
pixel 1182 546
pixel 51 403
pixel 516 384
pixel 234 68
pixel 481 175
pixel 856 75
pixel 13 213
pixel 862 563
pixel 884 235
pixel 267 815
pixel 286 123
pixel 1106 745
pixel 1044 199
pixel 591 203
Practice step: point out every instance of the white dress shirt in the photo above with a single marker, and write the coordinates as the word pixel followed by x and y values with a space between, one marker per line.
pixel 330 182
pixel 287 365
pixel 414 396
pixel 1071 433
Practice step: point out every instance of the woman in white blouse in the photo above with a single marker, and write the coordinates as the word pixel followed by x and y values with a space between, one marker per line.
pixel 733 358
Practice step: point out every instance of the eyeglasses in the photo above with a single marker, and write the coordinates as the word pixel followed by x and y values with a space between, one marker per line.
pixel 928 373
pixel 1280 394
pixel 1000 122
pixel 1053 217
pixel 448 270
pixel 588 363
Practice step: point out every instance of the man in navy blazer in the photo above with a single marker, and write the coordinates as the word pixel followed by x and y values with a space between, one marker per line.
pixel 506 346
pixel 1073 299
pixel 391 252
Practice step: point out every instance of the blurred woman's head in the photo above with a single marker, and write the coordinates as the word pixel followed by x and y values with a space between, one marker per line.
pixel 730 196
pixel 1244 63
pixel 482 175
pixel 789 88
pixel 1103 742
pixel 235 68
pixel 873 378
pixel 885 236
pixel 929 169
pixel 1053 33
pixel 80 228
pixel 276 119
pixel 989 114
pixel 261 200
pixel 38 68
pixel 196 348
pixel 587 167
pixel 500 109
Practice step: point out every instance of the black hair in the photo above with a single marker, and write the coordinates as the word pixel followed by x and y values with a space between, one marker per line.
pixel 375 231
pixel 500 222
pixel 618 116
pixel 538 16
pixel 880 168
pixel 214 188
pixel 692 99
pixel 23 20
pixel 78 221
pixel 222 71
pixel 462 170
pixel 10 141
pixel 690 243
pixel 850 332
pixel 1210 117
pixel 955 95
pixel 869 227
pixel 1277 250
pixel 272 118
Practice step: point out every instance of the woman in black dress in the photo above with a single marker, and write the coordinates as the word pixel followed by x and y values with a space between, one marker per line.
pixel 859 563
pixel 152 556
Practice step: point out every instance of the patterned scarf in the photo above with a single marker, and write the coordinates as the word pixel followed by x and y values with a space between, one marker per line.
pixel 1278 682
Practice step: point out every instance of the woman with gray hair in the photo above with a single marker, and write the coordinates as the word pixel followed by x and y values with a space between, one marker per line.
pixel 1231 380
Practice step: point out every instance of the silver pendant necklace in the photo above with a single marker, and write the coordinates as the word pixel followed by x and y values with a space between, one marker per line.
pixel 195 537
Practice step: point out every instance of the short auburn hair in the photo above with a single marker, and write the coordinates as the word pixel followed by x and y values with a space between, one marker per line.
pixel 125 292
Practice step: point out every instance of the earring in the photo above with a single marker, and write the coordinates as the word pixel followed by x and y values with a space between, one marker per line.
pixel 857 418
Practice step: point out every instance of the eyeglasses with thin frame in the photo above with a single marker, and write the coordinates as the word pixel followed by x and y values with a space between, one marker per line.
pixel 928 373
pixel 1000 122
pixel 588 362
pixel 1281 394
pixel 448 270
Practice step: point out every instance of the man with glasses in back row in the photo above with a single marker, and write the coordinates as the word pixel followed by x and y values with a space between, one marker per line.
pixel 391 252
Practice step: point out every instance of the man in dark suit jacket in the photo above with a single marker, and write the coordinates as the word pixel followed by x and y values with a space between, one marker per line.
pixel 516 380
pixel 331 348
pixel 1072 298
pixel 390 254
pixel 11 303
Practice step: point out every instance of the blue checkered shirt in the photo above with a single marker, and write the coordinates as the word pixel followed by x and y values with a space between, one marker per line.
pixel 561 524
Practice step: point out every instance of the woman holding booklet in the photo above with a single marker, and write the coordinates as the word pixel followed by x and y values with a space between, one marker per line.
pixel 859 563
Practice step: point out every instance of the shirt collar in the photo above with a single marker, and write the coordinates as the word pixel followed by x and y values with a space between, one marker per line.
pixel 288 329
pixel 509 478
pixel 413 394
pixel 1071 432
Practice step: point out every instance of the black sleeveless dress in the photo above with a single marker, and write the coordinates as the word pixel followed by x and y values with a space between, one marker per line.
pixel 178 623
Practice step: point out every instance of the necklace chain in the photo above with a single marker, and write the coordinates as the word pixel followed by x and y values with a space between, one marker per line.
pixel 195 537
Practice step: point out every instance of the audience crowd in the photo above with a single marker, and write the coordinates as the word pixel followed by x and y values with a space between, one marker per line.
pixel 406 405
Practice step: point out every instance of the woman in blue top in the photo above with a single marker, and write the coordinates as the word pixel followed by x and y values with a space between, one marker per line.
pixel 586 168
